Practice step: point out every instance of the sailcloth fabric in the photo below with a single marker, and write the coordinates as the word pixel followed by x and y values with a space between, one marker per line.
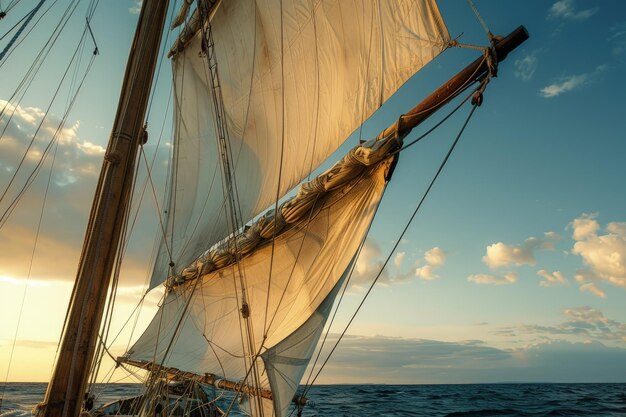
pixel 289 287
pixel 286 362
pixel 295 82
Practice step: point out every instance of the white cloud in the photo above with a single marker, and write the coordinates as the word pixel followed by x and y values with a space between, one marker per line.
pixel 550 238
pixel 425 272
pixel 567 84
pixel 503 255
pixel 551 278
pixel 603 254
pixel 399 259
pixel 593 289
pixel 371 260
pixel 380 359
pixel 573 82
pixel 526 66
pixel 74 167
pixel 582 323
pixel 73 155
pixel 91 149
pixel 584 275
pixel 617 40
pixel 67 204
pixel 617 228
pixel 369 265
pixel 435 256
pixel 584 227
pixel 485 279
pixel 370 251
pixel 587 315
pixel 565 9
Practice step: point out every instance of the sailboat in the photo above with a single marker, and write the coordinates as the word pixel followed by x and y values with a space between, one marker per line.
pixel 264 92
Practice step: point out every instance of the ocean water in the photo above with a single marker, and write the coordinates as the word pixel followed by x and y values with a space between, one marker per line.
pixel 403 400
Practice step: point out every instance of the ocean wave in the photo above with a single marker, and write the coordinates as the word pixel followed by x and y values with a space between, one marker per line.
pixel 15 413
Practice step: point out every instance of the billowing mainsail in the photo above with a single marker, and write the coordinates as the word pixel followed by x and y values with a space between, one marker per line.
pixel 295 78
pixel 295 83
pixel 289 287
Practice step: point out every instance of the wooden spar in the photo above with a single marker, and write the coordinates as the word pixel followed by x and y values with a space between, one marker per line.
pixel 454 86
pixel 65 392
pixel 211 379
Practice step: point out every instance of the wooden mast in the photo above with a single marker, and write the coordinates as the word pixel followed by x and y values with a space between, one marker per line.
pixel 66 389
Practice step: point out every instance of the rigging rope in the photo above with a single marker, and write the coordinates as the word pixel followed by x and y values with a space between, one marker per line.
pixel 442 121
pixel 105 326
pixel 41 56
pixel 14 26
pixel 11 207
pixel 149 180
pixel 432 182
pixel 230 191
pixel 21 29
pixel 3 12
pixel 345 288
pixel 128 231
pixel 70 9
pixel 175 335
pixel 28 275
pixel 29 76
pixel 480 19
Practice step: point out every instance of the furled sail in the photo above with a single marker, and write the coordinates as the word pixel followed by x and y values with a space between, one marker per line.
pixel 289 285
pixel 295 83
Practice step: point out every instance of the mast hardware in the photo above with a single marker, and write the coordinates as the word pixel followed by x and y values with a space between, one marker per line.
pixel 113 157
pixel 245 310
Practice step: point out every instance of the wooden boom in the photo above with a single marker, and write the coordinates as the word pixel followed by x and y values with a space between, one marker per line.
pixel 454 86
pixel 211 379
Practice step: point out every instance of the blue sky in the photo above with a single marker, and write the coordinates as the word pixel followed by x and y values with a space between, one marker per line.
pixel 517 257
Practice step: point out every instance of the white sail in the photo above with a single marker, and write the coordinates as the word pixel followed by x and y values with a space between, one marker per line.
pixel 202 317
pixel 295 83
pixel 286 362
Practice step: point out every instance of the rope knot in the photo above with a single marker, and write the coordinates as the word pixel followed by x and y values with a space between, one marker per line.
pixel 491 59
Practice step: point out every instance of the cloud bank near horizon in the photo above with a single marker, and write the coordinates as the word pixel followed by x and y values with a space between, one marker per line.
pixel 379 359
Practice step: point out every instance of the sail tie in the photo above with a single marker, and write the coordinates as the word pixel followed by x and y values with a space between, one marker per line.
pixel 291 212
